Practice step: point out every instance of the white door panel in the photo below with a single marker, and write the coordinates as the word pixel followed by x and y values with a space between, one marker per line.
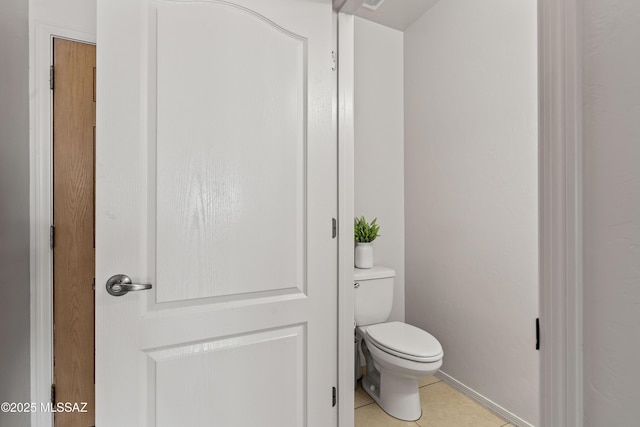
pixel 216 182
pixel 236 222
pixel 255 389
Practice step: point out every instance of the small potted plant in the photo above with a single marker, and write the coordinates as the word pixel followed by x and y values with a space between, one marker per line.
pixel 364 233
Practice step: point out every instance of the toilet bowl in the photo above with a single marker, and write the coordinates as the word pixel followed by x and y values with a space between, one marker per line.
pixel 397 354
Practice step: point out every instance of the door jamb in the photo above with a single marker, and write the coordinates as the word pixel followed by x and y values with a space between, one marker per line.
pixel 345 218
pixel 41 211
pixel 560 183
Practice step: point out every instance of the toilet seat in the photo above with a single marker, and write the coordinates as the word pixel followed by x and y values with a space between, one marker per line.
pixel 405 341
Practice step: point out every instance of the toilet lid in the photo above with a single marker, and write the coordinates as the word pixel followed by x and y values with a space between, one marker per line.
pixel 405 341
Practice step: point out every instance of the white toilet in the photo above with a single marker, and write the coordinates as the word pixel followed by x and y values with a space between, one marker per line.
pixel 397 354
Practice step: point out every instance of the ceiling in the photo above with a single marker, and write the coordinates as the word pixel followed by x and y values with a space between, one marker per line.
pixel 398 14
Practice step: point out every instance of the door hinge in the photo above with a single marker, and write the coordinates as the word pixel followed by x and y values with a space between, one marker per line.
pixel 334 228
pixel 538 333
pixel 51 78
pixel 93 285
pixel 52 237
pixel 334 64
pixel 334 396
pixel 53 394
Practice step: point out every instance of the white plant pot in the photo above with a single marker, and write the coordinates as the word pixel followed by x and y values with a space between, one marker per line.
pixel 364 255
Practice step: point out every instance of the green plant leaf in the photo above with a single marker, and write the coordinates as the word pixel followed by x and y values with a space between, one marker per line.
pixel 365 232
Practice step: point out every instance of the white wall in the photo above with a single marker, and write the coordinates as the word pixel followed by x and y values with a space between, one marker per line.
pixel 471 193
pixel 14 209
pixel 77 15
pixel 379 140
pixel 611 233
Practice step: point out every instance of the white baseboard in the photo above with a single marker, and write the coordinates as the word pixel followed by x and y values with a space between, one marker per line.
pixel 487 403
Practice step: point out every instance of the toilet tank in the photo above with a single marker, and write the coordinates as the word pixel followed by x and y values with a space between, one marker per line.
pixel 373 294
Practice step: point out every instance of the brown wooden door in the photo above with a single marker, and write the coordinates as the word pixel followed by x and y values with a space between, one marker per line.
pixel 74 115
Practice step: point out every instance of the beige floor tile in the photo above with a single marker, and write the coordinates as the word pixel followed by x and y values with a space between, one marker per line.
pixel 426 381
pixel 373 416
pixel 361 397
pixel 443 406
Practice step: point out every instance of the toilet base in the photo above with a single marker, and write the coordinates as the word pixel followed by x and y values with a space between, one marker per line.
pixel 393 382
pixel 399 397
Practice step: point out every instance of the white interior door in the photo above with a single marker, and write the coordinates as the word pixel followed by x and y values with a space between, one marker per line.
pixel 216 183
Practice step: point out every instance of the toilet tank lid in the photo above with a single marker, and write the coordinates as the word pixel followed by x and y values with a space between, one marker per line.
pixel 375 272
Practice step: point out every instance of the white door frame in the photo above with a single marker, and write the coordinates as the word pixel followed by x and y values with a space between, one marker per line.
pixel 346 214
pixel 560 182
pixel 560 212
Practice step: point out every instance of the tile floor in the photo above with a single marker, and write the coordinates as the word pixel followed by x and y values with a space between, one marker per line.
pixel 442 406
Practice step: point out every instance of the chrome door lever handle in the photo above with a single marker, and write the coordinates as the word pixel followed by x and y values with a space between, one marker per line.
pixel 120 284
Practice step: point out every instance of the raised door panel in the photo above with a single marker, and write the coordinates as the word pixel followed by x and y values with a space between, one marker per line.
pixel 235 381
pixel 234 223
